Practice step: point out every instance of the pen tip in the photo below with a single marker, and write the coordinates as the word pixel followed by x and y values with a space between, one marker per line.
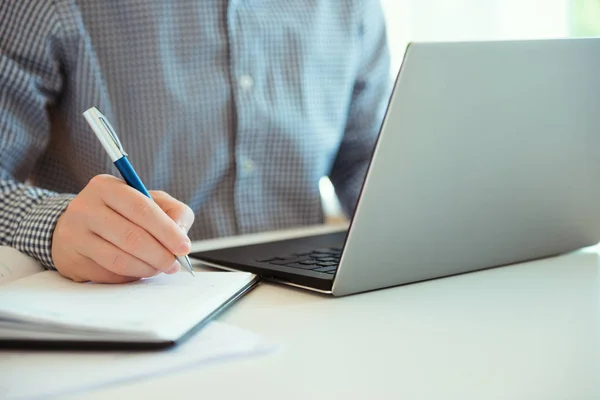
pixel 189 266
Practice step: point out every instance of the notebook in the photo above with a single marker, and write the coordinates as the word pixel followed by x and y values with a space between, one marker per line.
pixel 43 309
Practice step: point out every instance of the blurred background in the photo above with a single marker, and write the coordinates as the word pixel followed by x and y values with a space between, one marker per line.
pixel 453 20
pixel 450 20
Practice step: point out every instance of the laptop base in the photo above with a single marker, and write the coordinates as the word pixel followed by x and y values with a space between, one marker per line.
pixel 262 259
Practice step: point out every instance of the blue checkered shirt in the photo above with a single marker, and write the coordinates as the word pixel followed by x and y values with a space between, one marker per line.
pixel 236 108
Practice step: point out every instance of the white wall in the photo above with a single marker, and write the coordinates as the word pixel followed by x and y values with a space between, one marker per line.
pixel 450 20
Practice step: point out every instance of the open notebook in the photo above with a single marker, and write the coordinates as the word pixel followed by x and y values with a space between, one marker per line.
pixel 41 308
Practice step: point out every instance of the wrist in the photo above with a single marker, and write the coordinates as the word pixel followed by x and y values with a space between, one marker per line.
pixel 34 233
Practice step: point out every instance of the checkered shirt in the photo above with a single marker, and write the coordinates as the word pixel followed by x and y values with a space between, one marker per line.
pixel 236 108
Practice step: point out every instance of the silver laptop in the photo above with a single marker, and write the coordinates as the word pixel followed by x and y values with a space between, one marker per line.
pixel 489 155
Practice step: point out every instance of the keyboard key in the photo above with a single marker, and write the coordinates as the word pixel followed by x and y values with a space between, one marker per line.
pixel 301 266
pixel 326 264
pixel 319 258
pixel 269 259
pixel 291 260
pixel 283 262
pixel 326 269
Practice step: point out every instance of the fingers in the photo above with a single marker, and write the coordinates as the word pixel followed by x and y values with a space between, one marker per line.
pixel 145 213
pixel 175 209
pixel 131 238
pixel 90 271
pixel 111 233
pixel 113 259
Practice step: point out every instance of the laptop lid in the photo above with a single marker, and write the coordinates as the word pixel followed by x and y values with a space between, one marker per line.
pixel 488 155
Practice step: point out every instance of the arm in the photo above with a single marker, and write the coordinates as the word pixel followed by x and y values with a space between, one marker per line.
pixel 365 114
pixel 30 81
pixel 108 232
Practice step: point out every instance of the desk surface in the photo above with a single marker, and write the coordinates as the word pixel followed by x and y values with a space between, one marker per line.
pixel 529 331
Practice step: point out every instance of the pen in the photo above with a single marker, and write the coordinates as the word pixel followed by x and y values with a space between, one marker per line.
pixel 110 141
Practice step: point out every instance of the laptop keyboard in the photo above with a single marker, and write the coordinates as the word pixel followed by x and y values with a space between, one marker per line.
pixel 320 260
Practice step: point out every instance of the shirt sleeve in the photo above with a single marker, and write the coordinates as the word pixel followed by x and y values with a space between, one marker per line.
pixel 30 82
pixel 370 97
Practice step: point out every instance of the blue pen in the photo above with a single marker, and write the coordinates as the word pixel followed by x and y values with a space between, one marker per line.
pixel 110 141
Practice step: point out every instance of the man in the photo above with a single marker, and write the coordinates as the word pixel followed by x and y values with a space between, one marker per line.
pixel 235 108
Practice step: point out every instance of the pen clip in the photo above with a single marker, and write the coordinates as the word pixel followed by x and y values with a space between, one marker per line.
pixel 112 133
pixel 105 133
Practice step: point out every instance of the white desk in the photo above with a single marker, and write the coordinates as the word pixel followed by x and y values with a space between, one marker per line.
pixel 521 332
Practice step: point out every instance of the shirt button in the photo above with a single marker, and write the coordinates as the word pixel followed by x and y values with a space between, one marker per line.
pixel 248 166
pixel 246 82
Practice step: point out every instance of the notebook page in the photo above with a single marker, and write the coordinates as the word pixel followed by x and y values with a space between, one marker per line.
pixel 15 265
pixel 164 306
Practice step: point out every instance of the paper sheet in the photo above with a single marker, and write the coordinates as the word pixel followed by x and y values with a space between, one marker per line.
pixel 153 306
pixel 32 375
pixel 15 265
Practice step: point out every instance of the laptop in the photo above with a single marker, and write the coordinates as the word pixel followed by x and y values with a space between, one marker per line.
pixel 488 155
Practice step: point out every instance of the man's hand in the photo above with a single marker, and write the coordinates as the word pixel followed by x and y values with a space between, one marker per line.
pixel 111 233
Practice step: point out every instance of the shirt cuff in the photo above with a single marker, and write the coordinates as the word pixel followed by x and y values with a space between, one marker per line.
pixel 34 234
